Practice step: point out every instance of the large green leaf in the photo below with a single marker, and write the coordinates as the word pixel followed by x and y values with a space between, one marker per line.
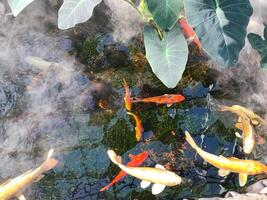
pixel 18 5
pixel 221 26
pixel 73 12
pixel 167 57
pixel 165 12
pixel 260 44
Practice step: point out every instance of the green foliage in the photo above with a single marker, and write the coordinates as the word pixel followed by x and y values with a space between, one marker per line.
pixel 221 26
pixel 18 5
pixel 165 12
pixel 73 12
pixel 167 57
pixel 260 44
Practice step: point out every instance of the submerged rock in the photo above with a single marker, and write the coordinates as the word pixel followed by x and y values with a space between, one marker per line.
pixel 7 97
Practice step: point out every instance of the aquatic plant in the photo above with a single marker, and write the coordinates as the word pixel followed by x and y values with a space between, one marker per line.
pixel 219 25
pixel 260 44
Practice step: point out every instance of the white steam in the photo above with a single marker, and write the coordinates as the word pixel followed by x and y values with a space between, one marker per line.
pixel 126 21
pixel 50 96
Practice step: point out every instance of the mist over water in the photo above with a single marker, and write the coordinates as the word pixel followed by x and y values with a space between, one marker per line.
pixel 47 103
pixel 37 102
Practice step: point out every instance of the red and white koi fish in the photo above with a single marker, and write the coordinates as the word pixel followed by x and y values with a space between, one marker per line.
pixel 160 176
pixel 136 160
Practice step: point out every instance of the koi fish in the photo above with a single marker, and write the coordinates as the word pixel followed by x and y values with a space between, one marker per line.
pixel 241 111
pixel 138 127
pixel 136 160
pixel 127 96
pixel 168 99
pixel 248 135
pixel 231 164
pixel 255 119
pixel 189 32
pixel 160 176
pixel 12 188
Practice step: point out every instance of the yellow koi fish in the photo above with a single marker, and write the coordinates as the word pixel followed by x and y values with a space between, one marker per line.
pixel 232 164
pixel 246 119
pixel 241 111
pixel 13 187
pixel 160 176
pixel 248 135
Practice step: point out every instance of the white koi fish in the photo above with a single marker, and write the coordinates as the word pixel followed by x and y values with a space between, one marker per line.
pixel 160 176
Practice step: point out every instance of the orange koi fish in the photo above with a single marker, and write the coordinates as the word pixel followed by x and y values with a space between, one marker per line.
pixel 138 126
pixel 189 32
pixel 127 96
pixel 136 160
pixel 168 99
pixel 231 164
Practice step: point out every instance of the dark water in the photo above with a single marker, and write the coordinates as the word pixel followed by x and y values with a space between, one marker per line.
pixel 58 107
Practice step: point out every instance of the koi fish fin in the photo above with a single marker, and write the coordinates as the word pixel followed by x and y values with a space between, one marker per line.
pixel 260 140
pixel 159 166
pixel 243 179
pixel 129 113
pixel 238 135
pixel 223 173
pixel 264 191
pixel 223 108
pixel 169 105
pixel 157 188
pixel 136 100
pixel 113 157
pixel 144 184
pixel 239 119
pixel 50 153
pixel 190 140
pixel 21 196
pixel 239 125
pixel 49 163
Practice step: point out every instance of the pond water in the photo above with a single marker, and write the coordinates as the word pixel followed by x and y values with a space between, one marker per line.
pixel 74 103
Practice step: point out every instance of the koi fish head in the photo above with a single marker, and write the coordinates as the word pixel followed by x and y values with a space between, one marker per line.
pixel 179 98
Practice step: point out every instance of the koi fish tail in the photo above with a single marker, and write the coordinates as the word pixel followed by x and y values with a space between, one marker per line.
pixel 136 100
pixel 222 108
pixel 190 140
pixel 49 163
pixel 105 188
pixel 113 157
pixel 129 113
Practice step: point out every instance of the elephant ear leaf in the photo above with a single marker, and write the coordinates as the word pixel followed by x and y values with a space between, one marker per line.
pixel 18 5
pixel 260 45
pixel 73 12
pixel 165 12
pixel 167 56
pixel 221 26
